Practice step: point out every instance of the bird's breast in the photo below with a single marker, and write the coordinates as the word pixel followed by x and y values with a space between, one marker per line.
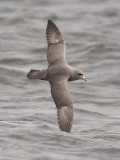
pixel 57 73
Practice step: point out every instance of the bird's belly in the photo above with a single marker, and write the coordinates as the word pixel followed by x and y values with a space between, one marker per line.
pixel 57 73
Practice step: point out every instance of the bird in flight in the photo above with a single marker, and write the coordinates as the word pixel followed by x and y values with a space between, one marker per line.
pixel 58 74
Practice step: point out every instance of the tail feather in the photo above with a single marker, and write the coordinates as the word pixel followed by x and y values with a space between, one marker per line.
pixel 37 74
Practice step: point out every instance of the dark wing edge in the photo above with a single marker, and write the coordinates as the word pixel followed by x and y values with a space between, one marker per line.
pixel 65 118
pixel 53 34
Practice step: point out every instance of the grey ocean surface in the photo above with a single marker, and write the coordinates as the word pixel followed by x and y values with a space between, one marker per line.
pixel 28 119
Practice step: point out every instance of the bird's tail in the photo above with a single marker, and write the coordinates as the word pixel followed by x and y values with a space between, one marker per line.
pixel 37 74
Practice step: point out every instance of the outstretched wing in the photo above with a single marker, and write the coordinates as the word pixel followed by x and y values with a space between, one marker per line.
pixel 56 46
pixel 63 101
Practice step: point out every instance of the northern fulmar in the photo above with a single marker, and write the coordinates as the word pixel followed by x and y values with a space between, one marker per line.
pixel 58 73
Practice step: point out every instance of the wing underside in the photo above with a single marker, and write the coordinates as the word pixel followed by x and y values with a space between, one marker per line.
pixel 56 46
pixel 63 101
pixel 65 116
pixel 53 34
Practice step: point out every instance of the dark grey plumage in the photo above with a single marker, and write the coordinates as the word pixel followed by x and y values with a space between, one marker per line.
pixel 58 74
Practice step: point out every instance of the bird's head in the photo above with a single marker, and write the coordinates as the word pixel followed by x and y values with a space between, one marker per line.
pixel 76 75
pixel 81 75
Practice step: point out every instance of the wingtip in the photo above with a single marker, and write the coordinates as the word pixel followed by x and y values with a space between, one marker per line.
pixel 53 34
pixel 50 22
pixel 65 118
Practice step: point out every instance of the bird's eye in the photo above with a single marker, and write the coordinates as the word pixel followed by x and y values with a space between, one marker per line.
pixel 80 74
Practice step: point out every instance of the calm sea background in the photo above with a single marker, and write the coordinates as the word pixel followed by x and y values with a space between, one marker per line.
pixel 28 121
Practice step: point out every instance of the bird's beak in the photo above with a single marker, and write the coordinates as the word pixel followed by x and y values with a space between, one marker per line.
pixel 83 77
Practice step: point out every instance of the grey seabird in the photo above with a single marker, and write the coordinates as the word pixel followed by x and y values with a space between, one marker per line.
pixel 58 73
